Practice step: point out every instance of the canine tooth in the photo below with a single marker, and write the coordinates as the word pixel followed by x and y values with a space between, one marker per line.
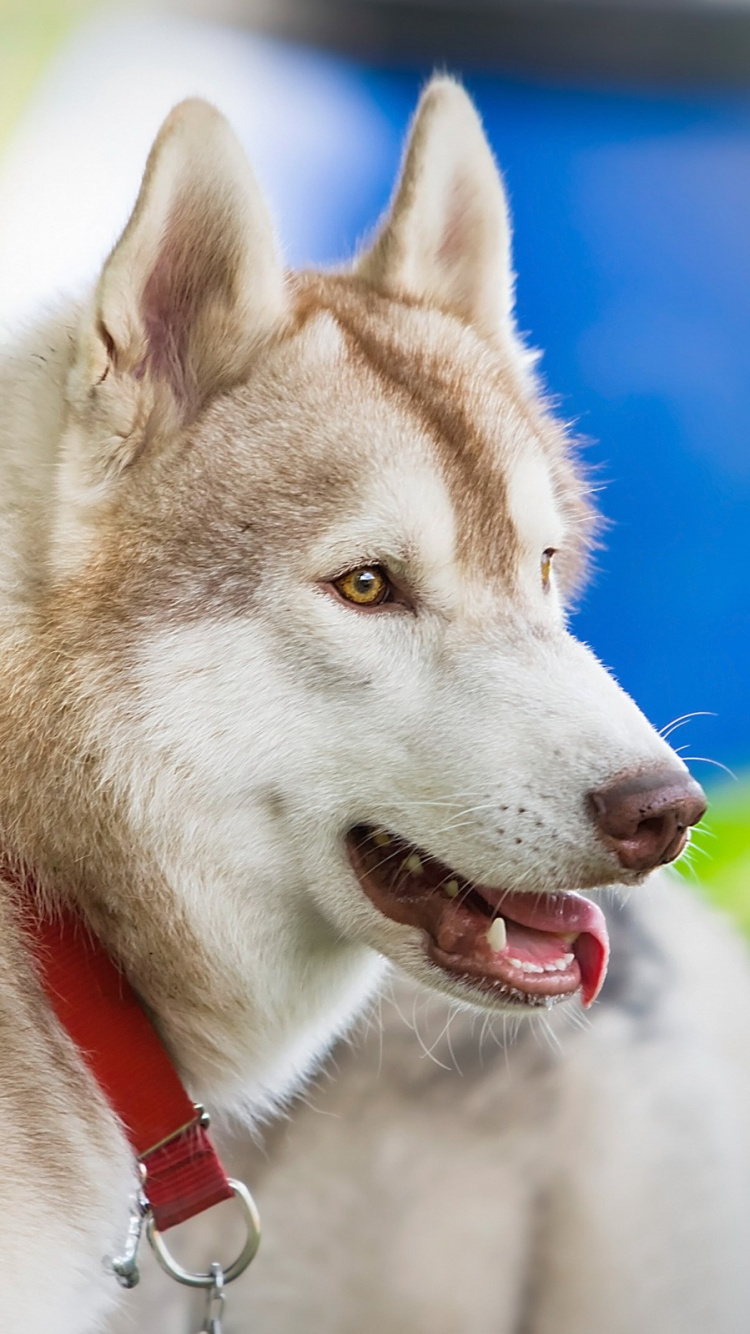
pixel 516 963
pixel 381 838
pixel 451 888
pixel 413 864
pixel 567 960
pixel 497 936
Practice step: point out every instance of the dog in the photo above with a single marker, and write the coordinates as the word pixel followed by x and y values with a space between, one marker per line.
pixel 287 692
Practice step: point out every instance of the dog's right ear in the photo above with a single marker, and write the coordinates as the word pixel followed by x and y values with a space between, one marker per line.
pixel 190 291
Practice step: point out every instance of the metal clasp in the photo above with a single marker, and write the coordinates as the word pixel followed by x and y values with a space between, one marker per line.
pixel 201 1118
pixel 125 1266
pixel 214 1280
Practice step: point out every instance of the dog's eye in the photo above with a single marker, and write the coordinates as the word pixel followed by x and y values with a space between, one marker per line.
pixel 368 586
pixel 547 558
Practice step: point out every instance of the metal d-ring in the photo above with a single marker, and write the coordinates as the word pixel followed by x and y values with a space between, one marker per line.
pixel 237 1267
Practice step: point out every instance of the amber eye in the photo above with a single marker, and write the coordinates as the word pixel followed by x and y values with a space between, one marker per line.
pixel 368 586
pixel 547 558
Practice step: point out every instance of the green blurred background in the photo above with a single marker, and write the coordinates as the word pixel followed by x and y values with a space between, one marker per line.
pixel 30 33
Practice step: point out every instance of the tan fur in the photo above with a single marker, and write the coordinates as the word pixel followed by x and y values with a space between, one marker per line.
pixel 473 405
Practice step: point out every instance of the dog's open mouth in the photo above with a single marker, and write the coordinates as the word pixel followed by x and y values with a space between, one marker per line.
pixel 526 949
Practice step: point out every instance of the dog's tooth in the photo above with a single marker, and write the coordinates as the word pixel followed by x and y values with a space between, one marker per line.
pixel 528 967
pixel 497 936
pixel 451 888
pixel 381 838
pixel 516 963
pixel 560 964
pixel 413 864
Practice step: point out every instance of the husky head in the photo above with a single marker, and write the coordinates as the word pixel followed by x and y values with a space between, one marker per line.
pixel 313 540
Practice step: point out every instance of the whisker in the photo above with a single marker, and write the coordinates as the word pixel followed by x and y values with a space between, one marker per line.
pixel 543 1025
pixel 695 849
pixel 702 829
pixel 447 1030
pixel 703 759
pixel 668 728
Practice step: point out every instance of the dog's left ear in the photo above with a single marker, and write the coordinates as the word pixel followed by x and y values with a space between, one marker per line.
pixel 190 291
pixel 446 240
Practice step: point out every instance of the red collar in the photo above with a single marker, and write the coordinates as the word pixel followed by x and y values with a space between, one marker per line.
pixel 98 1008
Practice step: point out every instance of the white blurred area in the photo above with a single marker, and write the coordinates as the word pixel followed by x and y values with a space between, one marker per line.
pixel 72 170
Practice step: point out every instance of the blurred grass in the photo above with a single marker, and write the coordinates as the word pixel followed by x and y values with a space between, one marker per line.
pixel 30 33
pixel 720 862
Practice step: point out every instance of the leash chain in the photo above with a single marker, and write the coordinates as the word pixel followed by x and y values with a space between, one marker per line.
pixel 212 1322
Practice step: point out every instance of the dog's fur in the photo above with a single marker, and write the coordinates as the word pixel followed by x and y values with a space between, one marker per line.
pixel 573 1181
pixel 190 721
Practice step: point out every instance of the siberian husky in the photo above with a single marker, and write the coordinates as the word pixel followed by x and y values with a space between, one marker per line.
pixel 287 693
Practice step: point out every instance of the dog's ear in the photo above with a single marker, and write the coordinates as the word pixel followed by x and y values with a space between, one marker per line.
pixel 446 240
pixel 191 289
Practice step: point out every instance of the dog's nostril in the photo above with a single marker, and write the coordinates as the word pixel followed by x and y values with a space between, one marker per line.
pixel 644 818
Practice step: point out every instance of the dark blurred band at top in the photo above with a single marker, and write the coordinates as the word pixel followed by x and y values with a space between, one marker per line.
pixel 671 40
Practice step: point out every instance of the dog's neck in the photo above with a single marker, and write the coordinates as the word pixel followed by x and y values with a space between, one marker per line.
pixel 192 926
pixel 198 938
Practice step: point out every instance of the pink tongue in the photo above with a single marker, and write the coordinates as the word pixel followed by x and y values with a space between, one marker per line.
pixel 592 953
pixel 562 914
pixel 536 946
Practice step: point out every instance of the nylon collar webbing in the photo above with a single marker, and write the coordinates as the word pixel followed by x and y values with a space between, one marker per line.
pixel 98 1008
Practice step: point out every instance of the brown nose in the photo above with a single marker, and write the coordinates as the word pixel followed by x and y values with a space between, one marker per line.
pixel 644 818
